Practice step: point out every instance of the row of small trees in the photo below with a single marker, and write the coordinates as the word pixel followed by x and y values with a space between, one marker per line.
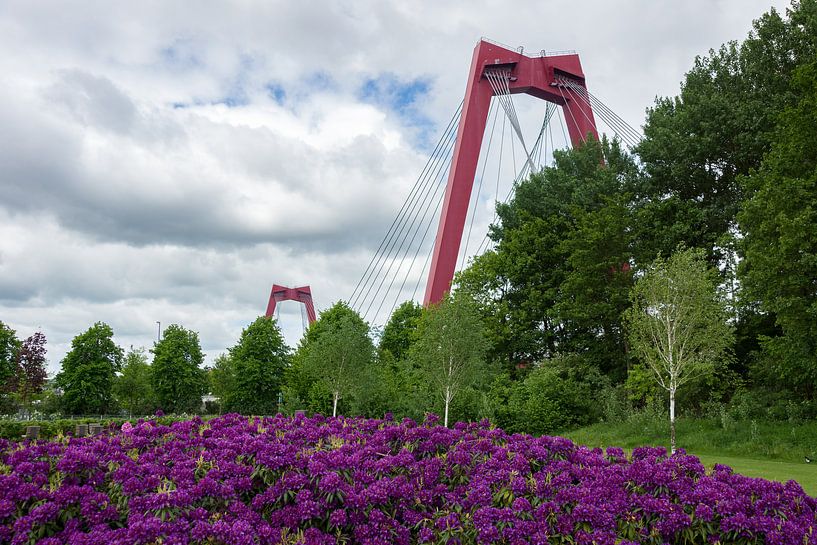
pixel 426 358
pixel 337 367
pixel 97 376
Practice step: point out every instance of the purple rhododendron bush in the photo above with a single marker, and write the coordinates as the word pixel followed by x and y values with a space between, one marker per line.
pixel 238 480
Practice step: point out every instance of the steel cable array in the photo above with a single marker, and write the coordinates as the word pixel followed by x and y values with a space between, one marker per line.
pixel 408 207
pixel 621 128
pixel 401 245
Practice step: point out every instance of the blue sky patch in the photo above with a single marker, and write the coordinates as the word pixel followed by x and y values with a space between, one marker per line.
pixel 319 81
pixel 404 99
pixel 181 55
pixel 276 92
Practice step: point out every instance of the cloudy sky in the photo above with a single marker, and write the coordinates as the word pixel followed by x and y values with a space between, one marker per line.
pixel 168 161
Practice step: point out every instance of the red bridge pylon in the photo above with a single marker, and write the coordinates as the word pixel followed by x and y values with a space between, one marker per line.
pixel 282 293
pixel 546 77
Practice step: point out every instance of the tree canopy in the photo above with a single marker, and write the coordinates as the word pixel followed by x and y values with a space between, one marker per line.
pixel 89 370
pixel 558 277
pixel 451 347
pixel 780 225
pixel 258 363
pixel 400 332
pixel 133 387
pixel 337 351
pixel 177 377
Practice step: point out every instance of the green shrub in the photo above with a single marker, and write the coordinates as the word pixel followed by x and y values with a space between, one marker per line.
pixel 14 430
pixel 556 395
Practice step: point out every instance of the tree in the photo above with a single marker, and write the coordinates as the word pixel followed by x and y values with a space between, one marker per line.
pixel 89 370
pixel 451 346
pixel 258 361
pixel 401 331
pixel 595 291
pixel 9 346
pixel 698 144
pixel 31 367
pixel 677 323
pixel 566 231
pixel 133 387
pixel 176 374
pixel 221 377
pixel 780 225
pixel 337 350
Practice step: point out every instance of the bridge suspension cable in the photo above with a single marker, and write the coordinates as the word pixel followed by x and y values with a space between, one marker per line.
pixel 499 80
pixel 376 263
pixel 621 128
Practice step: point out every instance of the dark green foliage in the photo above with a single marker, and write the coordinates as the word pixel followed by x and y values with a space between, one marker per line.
pixel 400 332
pixel 178 380
pixel 697 145
pixel 133 387
pixel 560 272
pixel 257 364
pixel 780 222
pixel 89 370
pixel 9 346
pixel 556 395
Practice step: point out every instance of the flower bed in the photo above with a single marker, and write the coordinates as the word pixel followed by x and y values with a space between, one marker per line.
pixel 238 480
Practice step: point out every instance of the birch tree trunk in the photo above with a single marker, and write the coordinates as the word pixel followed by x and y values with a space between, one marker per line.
pixel 335 396
pixel 447 401
pixel 672 419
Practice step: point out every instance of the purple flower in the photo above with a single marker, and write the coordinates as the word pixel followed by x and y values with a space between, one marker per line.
pixel 236 480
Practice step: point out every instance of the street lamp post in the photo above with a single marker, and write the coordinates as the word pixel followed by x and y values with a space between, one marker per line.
pixel 159 333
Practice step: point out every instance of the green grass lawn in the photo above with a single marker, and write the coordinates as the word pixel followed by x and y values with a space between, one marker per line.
pixel 805 474
pixel 770 450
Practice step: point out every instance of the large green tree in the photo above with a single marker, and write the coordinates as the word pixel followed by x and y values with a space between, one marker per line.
pixel 133 386
pixel 451 347
pixel 400 332
pixel 336 351
pixel 176 373
pixel 89 370
pixel 780 244
pixel 558 276
pixel 677 324
pixel 9 346
pixel 259 361
pixel 696 145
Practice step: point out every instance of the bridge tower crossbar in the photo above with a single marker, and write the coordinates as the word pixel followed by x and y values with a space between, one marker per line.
pixel 282 293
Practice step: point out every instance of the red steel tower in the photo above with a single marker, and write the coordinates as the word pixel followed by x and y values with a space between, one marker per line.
pixel 540 77
pixel 302 294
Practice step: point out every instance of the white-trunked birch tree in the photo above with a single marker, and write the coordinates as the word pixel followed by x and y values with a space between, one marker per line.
pixel 341 353
pixel 678 322
pixel 451 346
